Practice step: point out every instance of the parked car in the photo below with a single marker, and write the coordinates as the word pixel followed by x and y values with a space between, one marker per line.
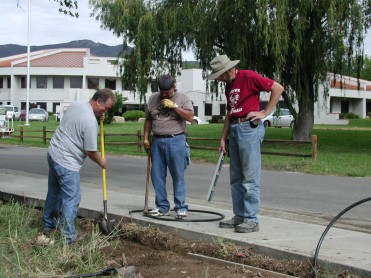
pixel 12 111
pixel 196 121
pixel 279 118
pixel 38 114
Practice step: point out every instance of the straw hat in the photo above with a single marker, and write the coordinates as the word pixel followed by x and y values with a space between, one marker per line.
pixel 220 65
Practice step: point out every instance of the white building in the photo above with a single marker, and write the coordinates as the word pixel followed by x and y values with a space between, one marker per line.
pixel 344 96
pixel 61 76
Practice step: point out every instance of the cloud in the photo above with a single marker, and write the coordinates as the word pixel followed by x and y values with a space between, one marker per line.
pixel 48 26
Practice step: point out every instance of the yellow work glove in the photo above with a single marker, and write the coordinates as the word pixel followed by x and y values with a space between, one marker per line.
pixel 167 103
pixel 147 146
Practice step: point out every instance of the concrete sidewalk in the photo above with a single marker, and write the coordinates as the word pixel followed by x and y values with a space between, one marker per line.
pixel 280 238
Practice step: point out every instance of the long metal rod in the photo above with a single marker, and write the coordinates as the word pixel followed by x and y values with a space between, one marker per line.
pixel 216 176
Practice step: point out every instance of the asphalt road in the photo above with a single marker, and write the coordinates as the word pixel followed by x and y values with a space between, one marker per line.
pixel 303 197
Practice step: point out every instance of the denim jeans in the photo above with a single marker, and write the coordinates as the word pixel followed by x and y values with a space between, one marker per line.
pixel 62 200
pixel 245 168
pixel 169 153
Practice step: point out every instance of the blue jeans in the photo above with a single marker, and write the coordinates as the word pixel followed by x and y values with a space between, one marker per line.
pixel 62 200
pixel 245 168
pixel 172 153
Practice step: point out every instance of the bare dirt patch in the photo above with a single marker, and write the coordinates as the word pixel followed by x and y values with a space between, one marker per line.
pixel 158 254
pixel 155 253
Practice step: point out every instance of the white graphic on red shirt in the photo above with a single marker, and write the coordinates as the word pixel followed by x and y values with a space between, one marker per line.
pixel 233 99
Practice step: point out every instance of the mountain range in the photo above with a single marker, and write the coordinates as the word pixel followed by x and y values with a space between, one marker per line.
pixel 96 49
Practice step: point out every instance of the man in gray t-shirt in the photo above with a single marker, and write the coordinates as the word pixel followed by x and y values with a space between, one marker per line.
pixel 74 140
pixel 166 116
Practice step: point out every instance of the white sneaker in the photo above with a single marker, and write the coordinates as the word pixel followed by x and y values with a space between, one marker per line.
pixel 158 212
pixel 181 214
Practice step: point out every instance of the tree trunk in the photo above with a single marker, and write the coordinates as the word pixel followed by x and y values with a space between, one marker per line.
pixel 304 123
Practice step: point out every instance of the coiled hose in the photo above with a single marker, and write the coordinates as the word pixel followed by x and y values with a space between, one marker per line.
pixel 315 271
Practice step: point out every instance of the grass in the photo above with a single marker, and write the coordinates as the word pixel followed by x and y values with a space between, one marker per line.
pixel 22 256
pixel 342 150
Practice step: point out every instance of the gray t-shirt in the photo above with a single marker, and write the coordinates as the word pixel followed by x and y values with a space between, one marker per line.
pixel 166 121
pixel 76 134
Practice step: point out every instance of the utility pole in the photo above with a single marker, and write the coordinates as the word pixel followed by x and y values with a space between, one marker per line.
pixel 28 62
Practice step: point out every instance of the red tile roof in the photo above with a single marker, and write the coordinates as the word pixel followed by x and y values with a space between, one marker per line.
pixel 61 60
pixel 65 58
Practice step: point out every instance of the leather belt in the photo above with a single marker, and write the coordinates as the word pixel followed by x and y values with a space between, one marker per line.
pixel 235 120
pixel 167 135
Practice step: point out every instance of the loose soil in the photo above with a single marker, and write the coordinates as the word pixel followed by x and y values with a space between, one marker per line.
pixel 158 254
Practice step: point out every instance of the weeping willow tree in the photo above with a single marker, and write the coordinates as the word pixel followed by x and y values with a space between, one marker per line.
pixel 295 42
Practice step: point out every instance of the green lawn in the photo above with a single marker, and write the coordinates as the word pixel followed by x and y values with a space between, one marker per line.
pixel 342 150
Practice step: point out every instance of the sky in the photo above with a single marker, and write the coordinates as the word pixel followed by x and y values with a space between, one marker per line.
pixel 48 26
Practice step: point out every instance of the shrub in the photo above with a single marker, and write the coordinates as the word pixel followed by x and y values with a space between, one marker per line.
pixel 114 111
pixel 216 119
pixel 349 115
pixel 133 115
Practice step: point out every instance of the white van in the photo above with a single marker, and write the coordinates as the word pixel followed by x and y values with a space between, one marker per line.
pixel 12 111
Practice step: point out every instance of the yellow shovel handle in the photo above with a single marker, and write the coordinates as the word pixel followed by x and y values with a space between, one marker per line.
pixel 102 151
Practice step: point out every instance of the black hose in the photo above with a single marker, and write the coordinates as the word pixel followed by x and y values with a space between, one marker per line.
pixel 315 271
pixel 106 272
pixel 220 216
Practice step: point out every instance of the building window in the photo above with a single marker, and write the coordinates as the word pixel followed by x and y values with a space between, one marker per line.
pixel 9 85
pixel 58 82
pixel 24 82
pixel 76 82
pixel 208 109
pixel 41 105
pixel 223 109
pixel 93 83
pixel 345 106
pixel 56 107
pixel 195 110
pixel 1 83
pixel 368 107
pixel 41 82
pixel 110 83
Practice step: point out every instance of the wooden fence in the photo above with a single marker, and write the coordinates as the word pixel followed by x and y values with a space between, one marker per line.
pixel 138 141
pixel 312 143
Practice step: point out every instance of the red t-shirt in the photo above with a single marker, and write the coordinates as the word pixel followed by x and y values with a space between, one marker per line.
pixel 243 95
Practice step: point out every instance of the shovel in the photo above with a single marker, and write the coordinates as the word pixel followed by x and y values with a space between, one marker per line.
pixel 106 227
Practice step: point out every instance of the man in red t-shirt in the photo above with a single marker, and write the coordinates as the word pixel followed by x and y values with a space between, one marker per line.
pixel 245 130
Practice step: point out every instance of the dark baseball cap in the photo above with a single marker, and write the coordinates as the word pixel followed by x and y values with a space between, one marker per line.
pixel 166 82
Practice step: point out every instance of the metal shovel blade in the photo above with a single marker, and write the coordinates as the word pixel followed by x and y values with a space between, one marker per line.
pixel 106 226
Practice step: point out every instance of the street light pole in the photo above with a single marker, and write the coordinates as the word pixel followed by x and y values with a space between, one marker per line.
pixel 28 62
